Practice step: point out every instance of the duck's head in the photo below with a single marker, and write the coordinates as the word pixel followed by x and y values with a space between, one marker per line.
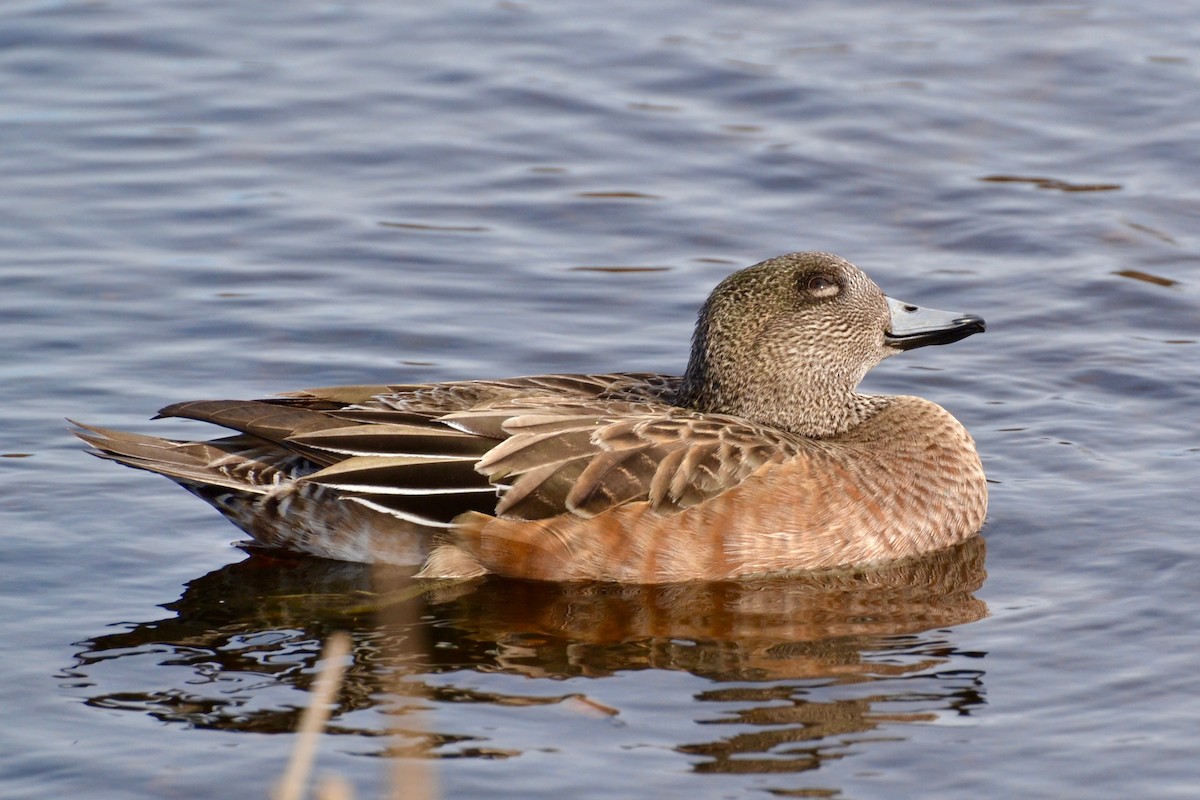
pixel 786 342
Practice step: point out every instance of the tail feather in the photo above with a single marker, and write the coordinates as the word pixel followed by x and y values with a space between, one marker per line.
pixel 255 484
pixel 239 463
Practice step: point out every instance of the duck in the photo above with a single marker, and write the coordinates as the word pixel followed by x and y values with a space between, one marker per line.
pixel 761 459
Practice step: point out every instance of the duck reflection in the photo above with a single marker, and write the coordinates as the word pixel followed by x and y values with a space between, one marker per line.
pixel 796 664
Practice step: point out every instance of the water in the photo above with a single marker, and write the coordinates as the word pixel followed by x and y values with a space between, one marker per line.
pixel 228 200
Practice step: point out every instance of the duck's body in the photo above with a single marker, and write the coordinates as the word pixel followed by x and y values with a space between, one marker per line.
pixel 760 459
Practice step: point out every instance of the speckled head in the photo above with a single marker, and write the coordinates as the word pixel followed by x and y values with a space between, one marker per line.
pixel 786 342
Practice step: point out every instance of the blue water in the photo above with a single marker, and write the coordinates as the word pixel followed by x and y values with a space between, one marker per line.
pixel 218 199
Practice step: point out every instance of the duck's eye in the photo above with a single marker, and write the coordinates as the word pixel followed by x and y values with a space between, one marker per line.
pixel 820 286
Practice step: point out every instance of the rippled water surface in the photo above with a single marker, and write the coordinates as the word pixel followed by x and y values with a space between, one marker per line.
pixel 219 199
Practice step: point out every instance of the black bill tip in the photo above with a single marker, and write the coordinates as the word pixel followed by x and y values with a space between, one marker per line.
pixel 913 326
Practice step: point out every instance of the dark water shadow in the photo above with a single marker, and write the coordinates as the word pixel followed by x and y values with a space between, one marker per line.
pixel 805 661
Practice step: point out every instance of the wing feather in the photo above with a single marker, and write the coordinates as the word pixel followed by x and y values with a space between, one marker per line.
pixel 586 464
pixel 612 478
pixel 393 439
pixel 525 448
pixel 539 492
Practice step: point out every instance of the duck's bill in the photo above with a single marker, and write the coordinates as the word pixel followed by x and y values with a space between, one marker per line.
pixel 913 326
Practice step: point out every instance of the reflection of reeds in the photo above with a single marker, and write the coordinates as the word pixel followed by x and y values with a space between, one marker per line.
pixel 410 777
pixel 329 680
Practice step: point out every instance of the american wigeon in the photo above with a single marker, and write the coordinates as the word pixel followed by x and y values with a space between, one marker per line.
pixel 762 458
